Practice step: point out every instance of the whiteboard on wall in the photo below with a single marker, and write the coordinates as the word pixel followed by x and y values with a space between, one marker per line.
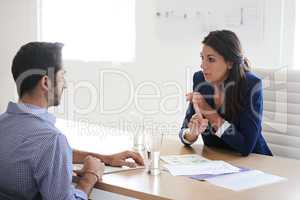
pixel 190 19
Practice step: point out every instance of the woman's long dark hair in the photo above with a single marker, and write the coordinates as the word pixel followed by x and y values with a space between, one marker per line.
pixel 228 45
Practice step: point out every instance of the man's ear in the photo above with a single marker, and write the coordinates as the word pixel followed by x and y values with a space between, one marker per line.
pixel 44 83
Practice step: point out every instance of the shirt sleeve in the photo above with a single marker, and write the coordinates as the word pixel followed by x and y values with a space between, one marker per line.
pixel 222 129
pixel 53 169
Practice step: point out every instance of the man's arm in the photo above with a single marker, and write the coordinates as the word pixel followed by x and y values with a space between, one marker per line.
pixel 79 156
pixel 92 172
pixel 52 166
pixel 117 160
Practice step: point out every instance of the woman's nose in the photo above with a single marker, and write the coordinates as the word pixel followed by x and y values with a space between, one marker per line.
pixel 203 65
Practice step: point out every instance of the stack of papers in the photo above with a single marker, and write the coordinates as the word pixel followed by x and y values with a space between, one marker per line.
pixel 202 177
pixel 211 167
pixel 218 173
pixel 193 164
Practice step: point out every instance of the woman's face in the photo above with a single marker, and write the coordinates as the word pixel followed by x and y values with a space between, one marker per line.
pixel 215 68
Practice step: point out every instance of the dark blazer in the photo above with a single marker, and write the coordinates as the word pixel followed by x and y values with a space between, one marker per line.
pixel 244 134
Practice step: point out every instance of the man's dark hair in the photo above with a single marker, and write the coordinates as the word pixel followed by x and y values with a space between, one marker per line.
pixel 33 61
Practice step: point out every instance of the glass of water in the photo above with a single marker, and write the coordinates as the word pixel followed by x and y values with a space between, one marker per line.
pixel 153 142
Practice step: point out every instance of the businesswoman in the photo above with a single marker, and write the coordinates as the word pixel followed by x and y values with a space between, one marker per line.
pixel 226 103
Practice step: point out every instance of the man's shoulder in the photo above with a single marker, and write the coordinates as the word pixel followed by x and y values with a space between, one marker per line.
pixel 37 130
pixel 46 144
pixel 45 133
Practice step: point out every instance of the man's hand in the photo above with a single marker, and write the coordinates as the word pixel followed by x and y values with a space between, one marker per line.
pixel 90 174
pixel 116 160
pixel 92 165
pixel 119 159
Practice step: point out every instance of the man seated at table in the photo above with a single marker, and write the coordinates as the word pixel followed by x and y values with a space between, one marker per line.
pixel 35 157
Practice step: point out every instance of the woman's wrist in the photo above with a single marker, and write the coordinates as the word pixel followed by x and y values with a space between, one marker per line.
pixel 189 136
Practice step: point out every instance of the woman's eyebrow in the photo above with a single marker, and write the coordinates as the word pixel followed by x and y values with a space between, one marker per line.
pixel 211 55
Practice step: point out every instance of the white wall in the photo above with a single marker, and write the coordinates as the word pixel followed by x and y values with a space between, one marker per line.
pixel 18 22
pixel 157 61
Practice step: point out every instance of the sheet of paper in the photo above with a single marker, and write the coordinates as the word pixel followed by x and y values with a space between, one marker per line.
pixel 211 167
pixel 109 169
pixel 202 177
pixel 244 180
pixel 184 159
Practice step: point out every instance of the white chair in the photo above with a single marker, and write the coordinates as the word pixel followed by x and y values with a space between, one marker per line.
pixel 281 117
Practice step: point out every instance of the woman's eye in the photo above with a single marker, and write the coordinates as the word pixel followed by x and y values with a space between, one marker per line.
pixel 211 59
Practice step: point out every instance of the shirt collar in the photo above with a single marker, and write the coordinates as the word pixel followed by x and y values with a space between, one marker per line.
pixel 21 108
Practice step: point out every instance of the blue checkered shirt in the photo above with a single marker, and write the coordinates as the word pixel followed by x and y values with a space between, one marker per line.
pixel 35 158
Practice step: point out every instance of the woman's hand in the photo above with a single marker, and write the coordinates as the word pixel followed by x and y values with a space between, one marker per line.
pixel 197 126
pixel 203 108
pixel 198 102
